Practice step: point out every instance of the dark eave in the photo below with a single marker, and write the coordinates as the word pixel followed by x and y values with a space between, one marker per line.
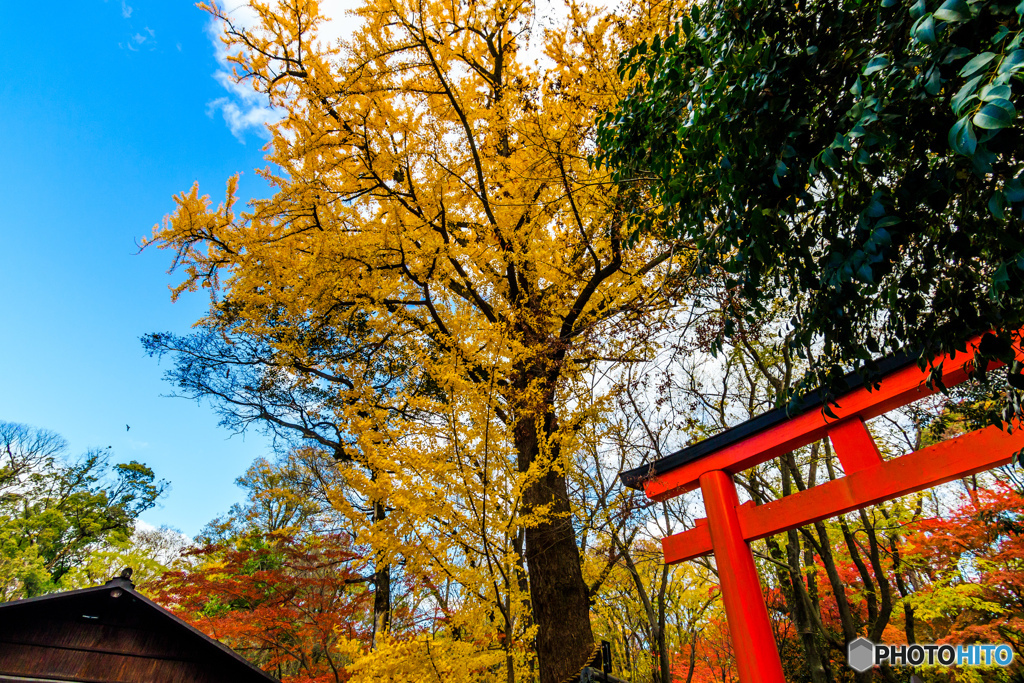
pixel 10 609
pixel 635 478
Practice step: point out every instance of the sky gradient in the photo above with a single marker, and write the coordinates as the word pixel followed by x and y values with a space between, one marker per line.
pixel 108 109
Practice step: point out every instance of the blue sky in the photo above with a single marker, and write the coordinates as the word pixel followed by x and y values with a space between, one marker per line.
pixel 107 109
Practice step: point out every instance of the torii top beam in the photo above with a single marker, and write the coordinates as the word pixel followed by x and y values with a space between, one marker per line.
pixel 777 432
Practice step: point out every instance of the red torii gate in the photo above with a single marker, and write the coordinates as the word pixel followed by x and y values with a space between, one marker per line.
pixel 730 527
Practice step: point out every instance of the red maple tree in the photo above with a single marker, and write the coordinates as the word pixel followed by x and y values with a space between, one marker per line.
pixel 974 562
pixel 295 607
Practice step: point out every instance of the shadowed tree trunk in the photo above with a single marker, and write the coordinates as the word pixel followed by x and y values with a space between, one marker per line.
pixel 381 586
pixel 565 641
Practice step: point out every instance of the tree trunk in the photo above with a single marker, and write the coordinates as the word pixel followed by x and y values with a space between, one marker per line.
pixel 801 611
pixel 693 656
pixel 381 586
pixel 804 609
pixel 524 587
pixel 561 610
pixel 664 661
pixel 655 614
pixel 836 582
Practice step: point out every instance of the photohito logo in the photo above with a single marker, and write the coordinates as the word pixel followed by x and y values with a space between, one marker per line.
pixel 862 654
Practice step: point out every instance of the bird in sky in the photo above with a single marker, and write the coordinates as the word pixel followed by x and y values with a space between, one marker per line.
pixel 126 428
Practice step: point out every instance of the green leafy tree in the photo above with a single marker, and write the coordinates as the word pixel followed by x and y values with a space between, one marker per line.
pixel 150 552
pixel 860 159
pixel 55 512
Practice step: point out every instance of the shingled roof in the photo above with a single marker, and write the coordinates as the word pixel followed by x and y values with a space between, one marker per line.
pixel 110 634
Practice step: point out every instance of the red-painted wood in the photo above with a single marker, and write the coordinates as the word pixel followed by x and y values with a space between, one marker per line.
pixel 897 389
pixel 854 446
pixel 757 656
pixel 688 544
pixel 731 527
pixel 958 457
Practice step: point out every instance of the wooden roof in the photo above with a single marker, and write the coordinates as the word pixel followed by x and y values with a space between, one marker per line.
pixel 110 634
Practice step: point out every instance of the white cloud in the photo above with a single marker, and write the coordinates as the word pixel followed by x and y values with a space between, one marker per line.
pixel 126 10
pixel 136 40
pixel 242 116
pixel 142 525
pixel 340 23
pixel 243 108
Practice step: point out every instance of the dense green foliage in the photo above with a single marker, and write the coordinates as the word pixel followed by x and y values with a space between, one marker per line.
pixel 859 161
pixel 56 512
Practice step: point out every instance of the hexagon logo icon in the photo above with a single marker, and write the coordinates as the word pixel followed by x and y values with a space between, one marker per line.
pixel 860 654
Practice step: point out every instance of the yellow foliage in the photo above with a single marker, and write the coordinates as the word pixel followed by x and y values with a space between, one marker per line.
pixel 439 260
pixel 428 660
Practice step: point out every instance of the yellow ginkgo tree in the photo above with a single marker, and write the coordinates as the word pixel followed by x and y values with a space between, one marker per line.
pixel 436 265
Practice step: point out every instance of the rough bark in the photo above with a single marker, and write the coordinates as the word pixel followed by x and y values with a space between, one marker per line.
pixel 804 610
pixel 836 583
pixel 558 594
pixel 381 587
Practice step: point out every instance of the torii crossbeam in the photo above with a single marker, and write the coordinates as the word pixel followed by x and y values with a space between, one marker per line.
pixel 730 527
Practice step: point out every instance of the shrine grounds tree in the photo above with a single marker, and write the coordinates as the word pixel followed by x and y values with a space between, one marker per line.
pixel 292 606
pixel 861 160
pixel 277 578
pixel 150 552
pixel 437 264
pixel 972 560
pixel 56 512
